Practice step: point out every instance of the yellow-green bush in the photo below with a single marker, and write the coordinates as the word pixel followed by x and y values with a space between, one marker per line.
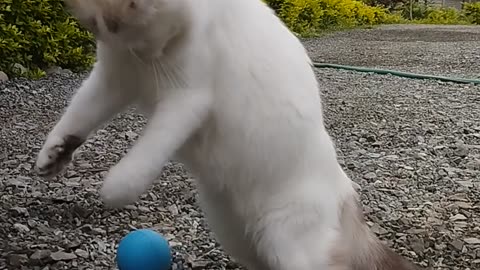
pixel 310 16
pixel 433 15
pixel 443 16
pixel 39 34
pixel 421 13
pixel 472 12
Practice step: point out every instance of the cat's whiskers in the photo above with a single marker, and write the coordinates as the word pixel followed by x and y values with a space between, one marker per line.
pixel 157 81
pixel 176 74
pixel 136 57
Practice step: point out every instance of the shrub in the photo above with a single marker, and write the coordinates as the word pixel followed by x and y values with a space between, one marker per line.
pixel 472 12
pixel 429 14
pixel 443 16
pixel 391 5
pixel 309 16
pixel 38 34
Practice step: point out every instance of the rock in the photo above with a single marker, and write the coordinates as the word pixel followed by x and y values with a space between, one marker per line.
pixel 16 182
pixel 82 253
pixel 17 259
pixel 377 229
pixel 173 209
pixel 200 264
pixel 467 183
pixel 20 210
pixel 458 217
pixel 3 76
pixel 40 255
pixel 19 68
pixel 370 176
pixel 473 165
pixel 144 209
pixel 57 70
pixel 472 241
pixel 457 244
pixel 461 150
pixel 418 245
pixel 464 205
pixel 21 228
pixel 62 256
pixel 99 231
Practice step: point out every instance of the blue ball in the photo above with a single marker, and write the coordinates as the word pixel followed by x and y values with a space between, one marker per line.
pixel 144 250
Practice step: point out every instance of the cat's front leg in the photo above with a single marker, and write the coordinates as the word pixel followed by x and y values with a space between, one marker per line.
pixel 96 101
pixel 175 118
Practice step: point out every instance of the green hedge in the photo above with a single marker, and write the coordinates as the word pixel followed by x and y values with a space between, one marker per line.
pixel 472 12
pixel 38 34
pixel 312 16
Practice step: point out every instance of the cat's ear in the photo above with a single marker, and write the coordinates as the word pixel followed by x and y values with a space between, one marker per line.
pixel 84 11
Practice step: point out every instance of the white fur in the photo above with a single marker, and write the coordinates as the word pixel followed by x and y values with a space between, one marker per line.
pixel 231 95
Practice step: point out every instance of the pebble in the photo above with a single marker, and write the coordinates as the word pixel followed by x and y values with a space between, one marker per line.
pixel 3 76
pixel 82 253
pixel 370 176
pixel 458 217
pixel 17 259
pixel 62 256
pixel 472 241
pixel 21 227
pixel 40 255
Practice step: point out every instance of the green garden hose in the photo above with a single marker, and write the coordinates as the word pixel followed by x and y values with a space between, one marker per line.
pixel 397 73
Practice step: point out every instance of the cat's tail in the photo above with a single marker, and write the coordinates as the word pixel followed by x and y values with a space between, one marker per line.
pixel 358 248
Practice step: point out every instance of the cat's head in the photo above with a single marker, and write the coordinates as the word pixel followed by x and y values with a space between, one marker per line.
pixel 133 24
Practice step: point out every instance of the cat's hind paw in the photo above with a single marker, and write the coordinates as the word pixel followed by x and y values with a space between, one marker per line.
pixel 56 154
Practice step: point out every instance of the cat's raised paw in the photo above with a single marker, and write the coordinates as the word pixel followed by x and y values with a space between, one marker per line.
pixel 56 154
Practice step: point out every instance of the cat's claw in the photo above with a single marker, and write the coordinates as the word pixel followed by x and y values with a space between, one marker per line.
pixel 56 154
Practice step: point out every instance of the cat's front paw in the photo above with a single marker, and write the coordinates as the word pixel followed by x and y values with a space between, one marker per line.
pixel 56 154
pixel 120 188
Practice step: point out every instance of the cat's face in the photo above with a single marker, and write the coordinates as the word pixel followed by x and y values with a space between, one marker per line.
pixel 132 24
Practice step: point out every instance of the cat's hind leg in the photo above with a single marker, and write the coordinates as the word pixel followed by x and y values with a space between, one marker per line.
pixel 297 237
pixel 298 242
pixel 228 228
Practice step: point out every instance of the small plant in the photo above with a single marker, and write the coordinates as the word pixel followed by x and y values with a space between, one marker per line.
pixel 472 12
pixel 444 16
pixel 38 34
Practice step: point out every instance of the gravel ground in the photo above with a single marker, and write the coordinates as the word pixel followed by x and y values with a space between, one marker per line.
pixel 413 146
pixel 439 50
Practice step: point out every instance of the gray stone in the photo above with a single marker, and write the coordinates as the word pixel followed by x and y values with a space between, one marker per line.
pixel 17 259
pixel 62 256
pixel 21 228
pixel 82 253
pixel 19 68
pixel 370 176
pixel 41 254
pixel 3 76
pixel 472 241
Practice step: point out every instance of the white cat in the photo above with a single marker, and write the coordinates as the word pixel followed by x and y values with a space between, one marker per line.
pixel 230 92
